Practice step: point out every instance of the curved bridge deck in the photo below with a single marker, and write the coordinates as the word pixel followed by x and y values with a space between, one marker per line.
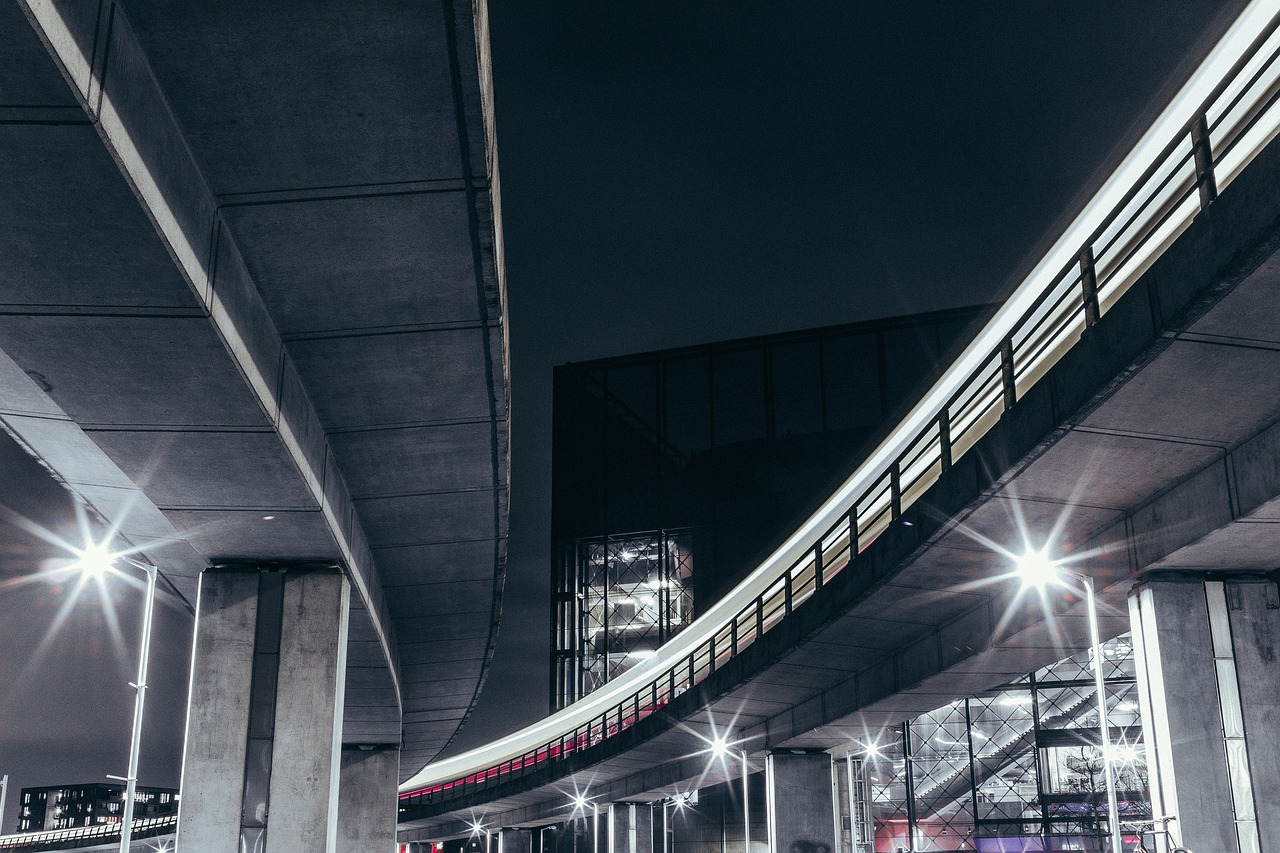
pixel 1107 413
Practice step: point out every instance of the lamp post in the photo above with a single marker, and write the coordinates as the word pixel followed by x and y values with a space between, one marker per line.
pixel 1036 569
pixel 96 560
pixel 1104 725
pixel 720 751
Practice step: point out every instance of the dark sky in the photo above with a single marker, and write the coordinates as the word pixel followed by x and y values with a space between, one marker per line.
pixel 676 173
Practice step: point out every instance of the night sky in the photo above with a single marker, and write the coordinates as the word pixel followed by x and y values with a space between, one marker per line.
pixel 677 173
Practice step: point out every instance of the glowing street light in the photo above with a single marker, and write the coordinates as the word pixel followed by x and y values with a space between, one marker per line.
pixel 1037 569
pixel 682 800
pixel 720 747
pixel 95 560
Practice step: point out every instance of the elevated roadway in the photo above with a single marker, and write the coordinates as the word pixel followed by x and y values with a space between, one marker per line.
pixel 1119 412
pixel 251 309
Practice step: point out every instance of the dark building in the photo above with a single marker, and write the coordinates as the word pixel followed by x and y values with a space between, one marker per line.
pixel 68 806
pixel 676 472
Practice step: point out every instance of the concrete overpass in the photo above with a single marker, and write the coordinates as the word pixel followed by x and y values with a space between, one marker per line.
pixel 1120 411
pixel 252 316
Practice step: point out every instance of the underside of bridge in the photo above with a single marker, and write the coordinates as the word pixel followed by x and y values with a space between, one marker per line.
pixel 251 310
pixel 1148 451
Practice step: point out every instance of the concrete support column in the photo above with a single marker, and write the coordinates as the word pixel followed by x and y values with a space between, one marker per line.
pixel 368 805
pixel 264 723
pixel 630 828
pixel 801 802
pixel 515 841
pixel 1210 692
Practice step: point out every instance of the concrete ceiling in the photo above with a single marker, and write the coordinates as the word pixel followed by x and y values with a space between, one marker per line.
pixel 251 267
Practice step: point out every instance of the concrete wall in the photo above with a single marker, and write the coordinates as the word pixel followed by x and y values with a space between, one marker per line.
pixel 630 828
pixel 515 841
pixel 802 812
pixel 1210 694
pixel 367 802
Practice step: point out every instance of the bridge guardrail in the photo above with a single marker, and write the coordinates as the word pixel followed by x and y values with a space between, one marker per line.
pixel 80 836
pixel 1213 128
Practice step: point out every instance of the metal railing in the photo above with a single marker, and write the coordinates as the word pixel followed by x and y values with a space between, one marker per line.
pixel 1215 126
pixel 82 836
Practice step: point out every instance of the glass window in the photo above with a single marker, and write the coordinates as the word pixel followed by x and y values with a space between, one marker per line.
pixel 910 359
pixel 851 373
pixel 636 595
pixel 940 778
pixel 632 444
pixel 633 396
pixel 688 405
pixel 1017 769
pixel 738 387
pixel 797 389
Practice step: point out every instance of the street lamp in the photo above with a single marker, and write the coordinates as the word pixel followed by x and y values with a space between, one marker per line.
pixel 95 560
pixel 1036 569
pixel 720 749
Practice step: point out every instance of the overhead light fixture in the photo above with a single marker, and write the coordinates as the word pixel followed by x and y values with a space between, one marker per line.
pixel 94 560
pixel 1036 569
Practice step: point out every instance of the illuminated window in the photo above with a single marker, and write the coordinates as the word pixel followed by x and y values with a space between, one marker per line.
pixel 621 598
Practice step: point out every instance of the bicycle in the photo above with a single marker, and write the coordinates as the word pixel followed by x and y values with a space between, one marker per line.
pixel 1148 827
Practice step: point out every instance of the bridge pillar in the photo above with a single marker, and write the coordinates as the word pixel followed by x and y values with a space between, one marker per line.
pixel 367 803
pixel 801 803
pixel 515 840
pixel 264 721
pixel 630 828
pixel 1210 694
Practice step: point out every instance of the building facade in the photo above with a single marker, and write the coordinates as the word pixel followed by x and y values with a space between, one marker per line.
pixel 1018 768
pixel 93 804
pixel 675 472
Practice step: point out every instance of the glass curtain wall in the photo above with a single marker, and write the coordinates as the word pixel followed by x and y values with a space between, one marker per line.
pixel 632 595
pixel 736 442
pixel 1018 769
